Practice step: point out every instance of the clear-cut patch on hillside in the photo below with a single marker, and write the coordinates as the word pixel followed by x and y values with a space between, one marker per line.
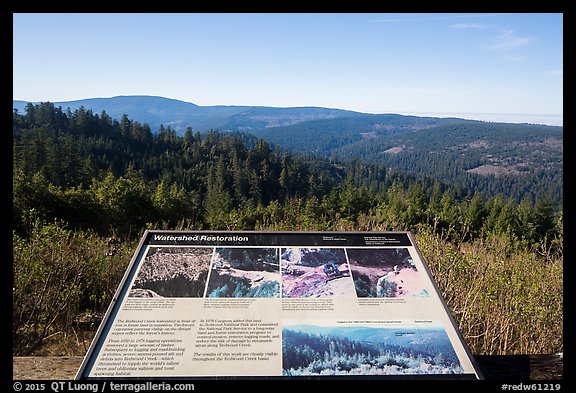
pixel 493 170
pixel 393 150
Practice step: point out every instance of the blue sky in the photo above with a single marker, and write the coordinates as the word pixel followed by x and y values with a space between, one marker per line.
pixel 505 67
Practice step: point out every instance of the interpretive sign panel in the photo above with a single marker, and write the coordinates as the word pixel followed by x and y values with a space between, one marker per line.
pixel 277 304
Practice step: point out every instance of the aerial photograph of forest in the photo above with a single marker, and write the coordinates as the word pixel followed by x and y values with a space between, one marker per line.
pixel 366 350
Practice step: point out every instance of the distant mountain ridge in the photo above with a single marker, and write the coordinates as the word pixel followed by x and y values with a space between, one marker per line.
pixel 314 130
pixel 180 114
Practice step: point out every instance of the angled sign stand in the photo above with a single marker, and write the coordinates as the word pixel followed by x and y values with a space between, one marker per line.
pixel 278 305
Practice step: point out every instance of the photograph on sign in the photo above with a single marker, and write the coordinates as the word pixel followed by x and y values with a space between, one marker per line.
pixel 315 273
pixel 389 272
pixel 173 272
pixel 375 348
pixel 244 272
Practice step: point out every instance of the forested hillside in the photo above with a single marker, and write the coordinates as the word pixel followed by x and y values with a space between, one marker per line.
pixel 97 172
pixel 80 178
pixel 324 137
pixel 518 161
pixel 514 160
pixel 89 169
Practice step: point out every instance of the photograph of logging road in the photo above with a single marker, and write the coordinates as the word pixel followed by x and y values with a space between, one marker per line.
pixel 385 272
pixel 173 272
pixel 315 273
pixel 245 272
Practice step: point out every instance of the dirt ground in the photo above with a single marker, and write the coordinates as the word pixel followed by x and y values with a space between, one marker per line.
pixel 45 367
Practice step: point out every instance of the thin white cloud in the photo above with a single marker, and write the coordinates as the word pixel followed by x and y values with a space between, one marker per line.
pixel 507 40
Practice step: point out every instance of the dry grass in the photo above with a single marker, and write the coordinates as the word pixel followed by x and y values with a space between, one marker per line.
pixel 60 278
pixel 506 300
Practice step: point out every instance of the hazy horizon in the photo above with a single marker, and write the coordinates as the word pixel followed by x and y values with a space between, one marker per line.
pixel 544 119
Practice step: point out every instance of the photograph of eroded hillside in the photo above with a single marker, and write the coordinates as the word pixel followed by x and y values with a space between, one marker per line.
pixel 173 272
pixel 244 272
pixel 385 272
pixel 315 273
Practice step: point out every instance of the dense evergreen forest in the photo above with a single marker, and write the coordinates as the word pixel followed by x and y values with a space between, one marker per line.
pixel 94 172
pixel 525 161
pixel 324 136
pixel 81 178
pixel 373 354
pixel 91 169
pixel 518 161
